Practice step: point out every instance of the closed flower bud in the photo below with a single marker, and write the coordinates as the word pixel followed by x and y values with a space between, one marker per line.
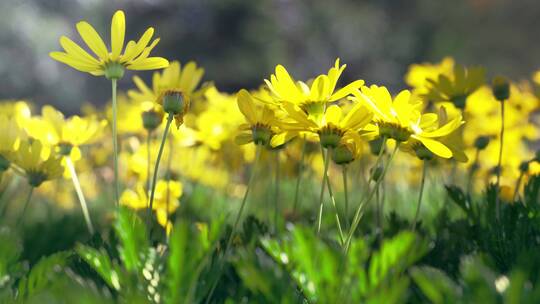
pixel 151 119
pixel 174 102
pixel 501 88
pixel 342 155
pixel 376 173
pixel 524 166
pixel 481 142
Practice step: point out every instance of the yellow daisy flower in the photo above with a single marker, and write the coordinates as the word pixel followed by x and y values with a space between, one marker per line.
pixel 400 119
pixel 53 129
pixel 457 87
pixel 331 127
pixel 9 140
pixel 185 79
pixel 38 163
pixel 110 63
pixel 261 121
pixel 311 98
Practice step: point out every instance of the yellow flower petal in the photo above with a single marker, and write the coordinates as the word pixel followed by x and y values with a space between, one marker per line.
pixel 245 104
pixel 72 62
pixel 118 31
pixel 151 63
pixel 435 147
pixel 92 39
pixel 76 51
pixel 137 48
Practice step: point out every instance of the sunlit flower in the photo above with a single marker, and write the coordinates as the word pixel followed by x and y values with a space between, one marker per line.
pixel 331 127
pixel 9 140
pixel 166 199
pixel 457 87
pixel 400 119
pixel 186 79
pixel 67 135
pixel 38 163
pixel 109 63
pixel 261 121
pixel 311 98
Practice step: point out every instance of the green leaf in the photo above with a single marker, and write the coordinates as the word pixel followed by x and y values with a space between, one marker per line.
pixel 435 284
pixel 102 264
pixel 43 273
pixel 133 237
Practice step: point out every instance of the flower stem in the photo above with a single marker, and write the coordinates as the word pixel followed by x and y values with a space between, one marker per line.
pixel 80 194
pixel 156 168
pixel 359 211
pixel 346 193
pixel 300 171
pixel 115 143
pixel 472 170
pixel 323 184
pixel 148 161
pixel 169 163
pixel 276 193
pixel 422 183
pixel 26 203
pixel 499 165
pixel 331 193
pixel 518 185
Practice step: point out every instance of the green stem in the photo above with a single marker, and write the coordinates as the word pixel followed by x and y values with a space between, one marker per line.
pixel 358 214
pixel 472 169
pixel 276 193
pixel 346 193
pixel 300 171
pixel 499 165
pixel 156 168
pixel 148 161
pixel 169 163
pixel 115 143
pixel 80 194
pixel 26 203
pixel 323 184
pixel 422 183
pixel 518 185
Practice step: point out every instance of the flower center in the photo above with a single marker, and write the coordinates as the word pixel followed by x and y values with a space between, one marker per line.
pixel 394 131
pixel 114 70
pixel 261 134
pixel 330 136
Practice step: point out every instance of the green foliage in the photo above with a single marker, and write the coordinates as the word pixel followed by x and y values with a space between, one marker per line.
pixel 323 276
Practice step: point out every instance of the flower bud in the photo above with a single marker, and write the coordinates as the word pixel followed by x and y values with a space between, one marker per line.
pixel 524 166
pixel 481 142
pixel 501 88
pixel 342 155
pixel 174 102
pixel 151 119
pixel 376 173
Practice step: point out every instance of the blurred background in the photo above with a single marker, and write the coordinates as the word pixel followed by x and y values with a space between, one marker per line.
pixel 239 42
